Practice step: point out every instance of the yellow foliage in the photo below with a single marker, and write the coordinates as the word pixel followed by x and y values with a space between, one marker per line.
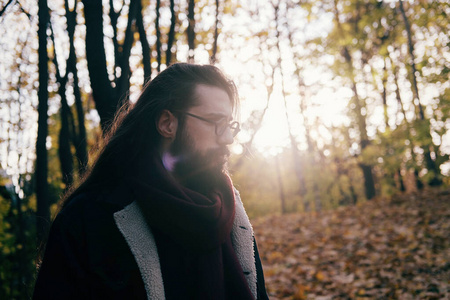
pixel 274 256
pixel 320 276
pixel 300 293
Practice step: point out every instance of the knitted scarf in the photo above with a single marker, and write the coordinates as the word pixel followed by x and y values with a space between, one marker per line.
pixel 192 232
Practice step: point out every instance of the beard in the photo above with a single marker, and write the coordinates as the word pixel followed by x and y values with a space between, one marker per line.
pixel 200 172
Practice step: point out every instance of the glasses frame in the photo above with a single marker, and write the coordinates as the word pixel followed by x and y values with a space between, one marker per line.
pixel 234 126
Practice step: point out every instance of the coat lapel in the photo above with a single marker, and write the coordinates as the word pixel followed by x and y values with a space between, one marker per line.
pixel 139 238
pixel 242 240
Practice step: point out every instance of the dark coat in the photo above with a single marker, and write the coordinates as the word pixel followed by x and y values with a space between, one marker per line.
pixel 88 254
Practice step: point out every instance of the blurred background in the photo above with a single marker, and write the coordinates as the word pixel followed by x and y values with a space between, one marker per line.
pixel 342 102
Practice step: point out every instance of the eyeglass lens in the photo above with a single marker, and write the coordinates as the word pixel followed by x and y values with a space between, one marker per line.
pixel 234 127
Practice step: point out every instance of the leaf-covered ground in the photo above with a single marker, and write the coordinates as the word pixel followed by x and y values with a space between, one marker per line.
pixel 395 248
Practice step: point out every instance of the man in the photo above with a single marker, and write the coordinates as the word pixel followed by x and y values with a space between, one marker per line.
pixel 157 217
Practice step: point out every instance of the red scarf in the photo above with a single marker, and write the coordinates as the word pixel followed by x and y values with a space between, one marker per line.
pixel 192 232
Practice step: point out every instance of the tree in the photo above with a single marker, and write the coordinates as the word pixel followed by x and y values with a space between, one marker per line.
pixel 431 165
pixel 294 145
pixel 213 58
pixel 108 95
pixel 358 102
pixel 78 133
pixel 146 57
pixel 191 30
pixel 171 37
pixel 42 194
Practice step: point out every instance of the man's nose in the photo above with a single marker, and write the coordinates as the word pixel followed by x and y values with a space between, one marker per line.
pixel 226 138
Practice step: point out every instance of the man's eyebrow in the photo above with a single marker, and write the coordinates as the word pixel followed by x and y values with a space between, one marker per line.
pixel 216 115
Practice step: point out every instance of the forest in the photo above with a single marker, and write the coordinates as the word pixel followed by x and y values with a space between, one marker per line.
pixel 345 108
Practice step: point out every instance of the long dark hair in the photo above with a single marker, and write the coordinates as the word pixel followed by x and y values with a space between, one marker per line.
pixel 133 134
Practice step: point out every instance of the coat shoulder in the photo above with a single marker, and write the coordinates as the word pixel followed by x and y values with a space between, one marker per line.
pixel 86 256
pixel 99 203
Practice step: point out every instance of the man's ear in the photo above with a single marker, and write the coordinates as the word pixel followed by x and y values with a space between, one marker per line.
pixel 167 124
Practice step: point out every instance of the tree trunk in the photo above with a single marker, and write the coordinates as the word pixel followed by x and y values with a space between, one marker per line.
pixel 412 62
pixel 21 240
pixel 389 147
pixel 123 82
pixel 384 96
pixel 280 185
pixel 191 31
pixel 114 16
pixel 295 153
pixel 302 97
pixel 258 118
pixel 80 141
pixel 158 36
pixel 397 92
pixel 353 193
pixel 5 7
pixel 429 162
pixel 64 152
pixel 105 99
pixel 400 180
pixel 419 184
pixel 42 193
pixel 171 37
pixel 68 132
pixel 65 155
pixel 256 125
pixel 146 57
pixel 213 58
pixel 369 183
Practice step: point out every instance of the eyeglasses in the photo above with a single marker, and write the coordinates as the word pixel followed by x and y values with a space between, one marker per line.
pixel 220 126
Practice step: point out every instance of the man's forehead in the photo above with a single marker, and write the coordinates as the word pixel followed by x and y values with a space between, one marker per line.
pixel 213 100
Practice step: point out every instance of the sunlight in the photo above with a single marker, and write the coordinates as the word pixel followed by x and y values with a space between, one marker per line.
pixel 326 108
pixel 274 129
